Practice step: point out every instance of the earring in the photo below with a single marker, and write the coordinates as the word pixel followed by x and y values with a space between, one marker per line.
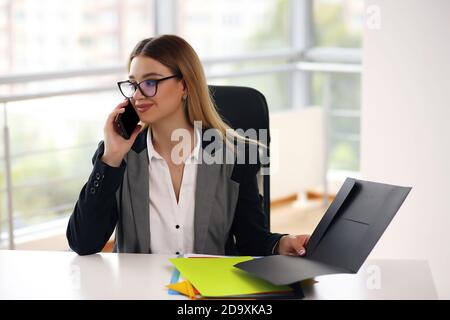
pixel 184 97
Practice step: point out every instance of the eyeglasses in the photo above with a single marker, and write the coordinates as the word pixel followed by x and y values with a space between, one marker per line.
pixel 148 88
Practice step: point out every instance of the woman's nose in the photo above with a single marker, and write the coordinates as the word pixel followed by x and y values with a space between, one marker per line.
pixel 137 94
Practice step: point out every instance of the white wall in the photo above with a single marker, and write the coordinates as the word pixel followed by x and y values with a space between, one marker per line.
pixel 406 126
pixel 297 151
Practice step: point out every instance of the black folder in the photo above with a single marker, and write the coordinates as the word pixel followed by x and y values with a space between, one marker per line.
pixel 341 242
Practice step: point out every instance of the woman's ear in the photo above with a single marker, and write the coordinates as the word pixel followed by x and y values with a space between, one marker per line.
pixel 185 92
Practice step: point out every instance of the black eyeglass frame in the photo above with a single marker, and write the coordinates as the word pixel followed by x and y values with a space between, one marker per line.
pixel 138 85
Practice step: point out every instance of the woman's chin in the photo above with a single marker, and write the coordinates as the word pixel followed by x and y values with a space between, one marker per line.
pixel 149 119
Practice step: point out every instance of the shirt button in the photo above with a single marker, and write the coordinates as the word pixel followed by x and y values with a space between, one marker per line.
pixel 92 190
pixel 97 176
pixel 177 226
pixel 96 184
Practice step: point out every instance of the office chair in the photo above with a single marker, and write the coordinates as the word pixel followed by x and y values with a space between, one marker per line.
pixel 246 108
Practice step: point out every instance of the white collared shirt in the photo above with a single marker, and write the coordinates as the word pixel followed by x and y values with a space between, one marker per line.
pixel 172 223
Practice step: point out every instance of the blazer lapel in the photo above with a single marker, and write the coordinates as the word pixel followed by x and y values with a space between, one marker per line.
pixel 207 179
pixel 208 176
pixel 138 178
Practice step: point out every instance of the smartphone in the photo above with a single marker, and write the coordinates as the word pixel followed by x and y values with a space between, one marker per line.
pixel 127 121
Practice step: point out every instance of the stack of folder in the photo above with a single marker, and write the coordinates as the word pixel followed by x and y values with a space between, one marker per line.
pixel 217 278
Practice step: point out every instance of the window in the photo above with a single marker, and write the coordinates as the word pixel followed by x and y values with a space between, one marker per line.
pixel 337 32
pixel 57 35
pixel 342 93
pixel 48 168
pixel 337 23
pixel 51 151
pixel 52 139
pixel 219 28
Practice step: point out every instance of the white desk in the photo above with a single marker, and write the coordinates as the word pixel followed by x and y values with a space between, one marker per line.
pixel 65 275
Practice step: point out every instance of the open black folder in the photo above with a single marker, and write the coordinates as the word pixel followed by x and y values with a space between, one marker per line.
pixel 344 237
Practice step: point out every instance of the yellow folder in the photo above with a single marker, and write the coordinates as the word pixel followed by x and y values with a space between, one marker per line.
pixel 217 277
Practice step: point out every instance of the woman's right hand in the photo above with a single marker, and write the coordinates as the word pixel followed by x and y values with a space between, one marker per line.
pixel 116 147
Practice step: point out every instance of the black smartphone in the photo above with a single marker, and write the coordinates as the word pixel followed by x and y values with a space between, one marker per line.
pixel 126 122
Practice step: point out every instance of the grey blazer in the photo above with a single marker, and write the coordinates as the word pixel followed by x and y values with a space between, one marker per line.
pixel 228 218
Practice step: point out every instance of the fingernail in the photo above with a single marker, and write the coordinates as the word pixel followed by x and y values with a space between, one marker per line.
pixel 301 252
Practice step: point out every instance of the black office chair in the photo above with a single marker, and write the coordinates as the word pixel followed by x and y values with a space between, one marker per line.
pixel 246 108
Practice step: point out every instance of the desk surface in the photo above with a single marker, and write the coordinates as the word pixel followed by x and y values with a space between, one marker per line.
pixel 65 275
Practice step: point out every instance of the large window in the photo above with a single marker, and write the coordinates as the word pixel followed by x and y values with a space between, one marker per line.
pixel 52 139
pixel 340 93
pixel 241 42
pixel 52 142
pixel 219 28
pixel 337 31
pixel 337 23
pixel 50 35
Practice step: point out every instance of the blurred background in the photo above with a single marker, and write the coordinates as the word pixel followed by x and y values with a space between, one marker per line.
pixel 61 61
pixel 355 89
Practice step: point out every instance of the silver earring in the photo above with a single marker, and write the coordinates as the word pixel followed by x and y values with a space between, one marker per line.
pixel 184 97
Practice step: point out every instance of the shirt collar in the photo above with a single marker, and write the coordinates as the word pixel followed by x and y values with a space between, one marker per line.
pixel 152 153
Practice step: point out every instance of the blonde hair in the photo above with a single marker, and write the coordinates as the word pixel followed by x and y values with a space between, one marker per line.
pixel 177 54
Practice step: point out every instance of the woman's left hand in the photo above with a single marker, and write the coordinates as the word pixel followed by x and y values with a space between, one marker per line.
pixel 293 245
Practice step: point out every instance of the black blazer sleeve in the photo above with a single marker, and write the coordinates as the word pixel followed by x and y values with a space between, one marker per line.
pixel 95 214
pixel 250 224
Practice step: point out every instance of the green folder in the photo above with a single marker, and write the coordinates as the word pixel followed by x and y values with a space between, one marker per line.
pixel 217 277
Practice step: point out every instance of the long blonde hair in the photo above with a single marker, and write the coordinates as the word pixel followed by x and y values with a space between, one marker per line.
pixel 177 54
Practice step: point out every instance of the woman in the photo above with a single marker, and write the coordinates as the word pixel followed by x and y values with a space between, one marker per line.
pixel 159 202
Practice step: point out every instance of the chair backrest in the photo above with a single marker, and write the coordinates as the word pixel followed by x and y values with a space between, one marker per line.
pixel 246 108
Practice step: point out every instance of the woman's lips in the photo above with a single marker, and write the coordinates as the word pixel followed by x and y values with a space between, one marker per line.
pixel 143 107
